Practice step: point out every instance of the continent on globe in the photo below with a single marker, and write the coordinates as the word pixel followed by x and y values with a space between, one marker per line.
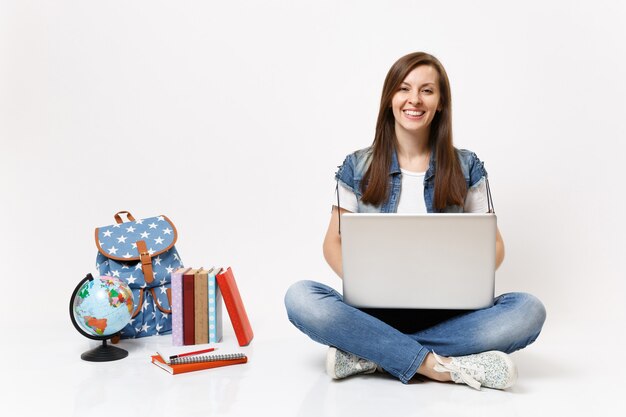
pixel 98 325
pixel 84 292
pixel 117 298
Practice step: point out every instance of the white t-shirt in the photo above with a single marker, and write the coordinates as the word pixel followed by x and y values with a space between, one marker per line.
pixel 413 201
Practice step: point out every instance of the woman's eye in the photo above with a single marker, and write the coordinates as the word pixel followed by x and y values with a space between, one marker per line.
pixel 428 91
pixel 404 88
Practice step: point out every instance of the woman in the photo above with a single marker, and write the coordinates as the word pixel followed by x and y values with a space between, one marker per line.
pixel 412 167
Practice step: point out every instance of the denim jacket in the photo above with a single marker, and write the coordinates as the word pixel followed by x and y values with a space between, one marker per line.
pixel 353 169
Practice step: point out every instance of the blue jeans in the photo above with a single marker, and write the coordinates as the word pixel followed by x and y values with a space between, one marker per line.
pixel 513 322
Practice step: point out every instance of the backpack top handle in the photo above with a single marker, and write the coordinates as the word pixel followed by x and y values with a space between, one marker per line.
pixel 118 218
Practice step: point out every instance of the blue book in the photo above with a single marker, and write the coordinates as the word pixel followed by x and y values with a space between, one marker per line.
pixel 215 308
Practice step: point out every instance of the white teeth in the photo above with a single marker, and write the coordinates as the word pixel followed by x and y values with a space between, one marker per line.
pixel 413 113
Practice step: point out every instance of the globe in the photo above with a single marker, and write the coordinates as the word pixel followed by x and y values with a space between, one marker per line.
pixel 103 306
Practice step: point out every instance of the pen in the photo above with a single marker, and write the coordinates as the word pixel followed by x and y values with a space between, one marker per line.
pixel 197 352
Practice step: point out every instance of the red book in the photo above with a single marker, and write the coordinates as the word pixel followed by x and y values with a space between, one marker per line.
pixel 189 335
pixel 199 365
pixel 234 306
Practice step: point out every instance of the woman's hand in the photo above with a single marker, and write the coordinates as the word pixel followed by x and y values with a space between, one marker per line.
pixel 499 248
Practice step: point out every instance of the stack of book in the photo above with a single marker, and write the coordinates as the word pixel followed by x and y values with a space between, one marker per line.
pixel 185 363
pixel 197 295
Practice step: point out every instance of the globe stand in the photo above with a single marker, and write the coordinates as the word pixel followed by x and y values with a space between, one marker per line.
pixel 104 352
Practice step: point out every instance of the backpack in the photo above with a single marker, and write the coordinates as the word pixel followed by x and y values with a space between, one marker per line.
pixel 142 254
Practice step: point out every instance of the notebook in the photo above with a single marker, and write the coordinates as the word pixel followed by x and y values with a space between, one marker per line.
pixel 420 261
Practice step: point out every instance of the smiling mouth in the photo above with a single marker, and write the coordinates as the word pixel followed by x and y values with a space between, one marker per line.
pixel 413 113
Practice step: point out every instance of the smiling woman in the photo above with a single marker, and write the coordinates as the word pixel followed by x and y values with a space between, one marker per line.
pixel 413 167
pixel 416 83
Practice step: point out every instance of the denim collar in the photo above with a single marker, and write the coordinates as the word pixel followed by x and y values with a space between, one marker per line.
pixel 395 165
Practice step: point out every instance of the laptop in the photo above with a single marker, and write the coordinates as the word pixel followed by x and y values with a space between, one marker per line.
pixel 418 261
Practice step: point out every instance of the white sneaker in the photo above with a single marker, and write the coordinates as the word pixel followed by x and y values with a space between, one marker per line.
pixel 491 369
pixel 340 364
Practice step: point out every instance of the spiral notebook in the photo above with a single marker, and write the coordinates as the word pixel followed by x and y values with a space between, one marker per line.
pixel 198 362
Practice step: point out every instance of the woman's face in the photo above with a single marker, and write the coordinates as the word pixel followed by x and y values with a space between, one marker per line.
pixel 416 102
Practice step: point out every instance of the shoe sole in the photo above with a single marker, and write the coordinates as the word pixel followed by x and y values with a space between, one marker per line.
pixel 510 365
pixel 331 361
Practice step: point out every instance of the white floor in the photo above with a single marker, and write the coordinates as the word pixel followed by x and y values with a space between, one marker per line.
pixel 567 372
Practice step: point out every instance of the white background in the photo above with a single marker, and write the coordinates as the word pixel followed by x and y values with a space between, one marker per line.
pixel 231 118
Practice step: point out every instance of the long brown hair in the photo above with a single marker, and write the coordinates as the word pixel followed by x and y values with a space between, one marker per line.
pixel 450 186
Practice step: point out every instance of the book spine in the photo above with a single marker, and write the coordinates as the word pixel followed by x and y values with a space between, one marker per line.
pixel 234 306
pixel 177 308
pixel 218 313
pixel 189 337
pixel 201 308
pixel 215 316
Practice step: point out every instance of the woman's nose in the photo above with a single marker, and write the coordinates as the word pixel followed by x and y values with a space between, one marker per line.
pixel 415 99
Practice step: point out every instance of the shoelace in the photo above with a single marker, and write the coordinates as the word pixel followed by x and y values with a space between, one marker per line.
pixel 460 370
